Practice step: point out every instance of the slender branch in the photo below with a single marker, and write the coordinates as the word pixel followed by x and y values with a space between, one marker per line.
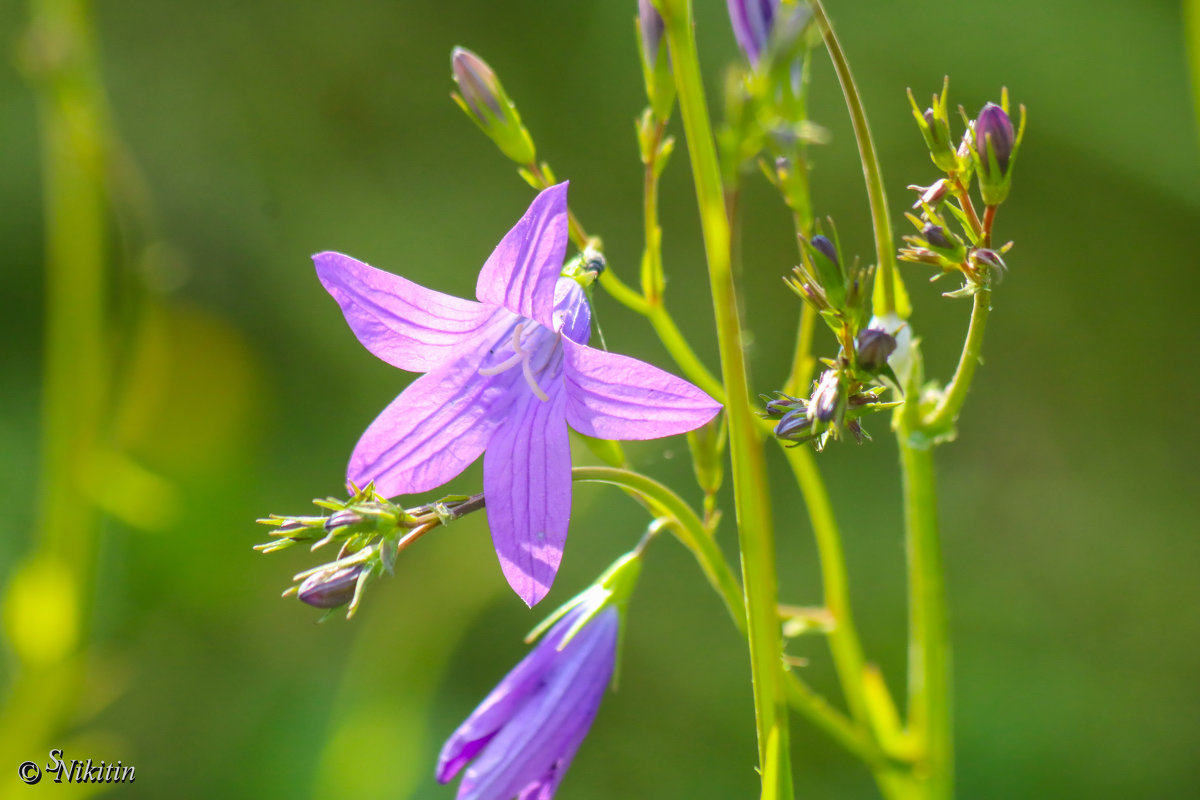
pixel 885 251
pixel 947 410
pixel 752 501
pixel 687 527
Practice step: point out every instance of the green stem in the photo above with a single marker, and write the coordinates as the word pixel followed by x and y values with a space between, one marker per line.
pixel 690 531
pixel 885 251
pixel 947 410
pixel 752 501
pixel 687 527
pixel 929 710
pixel 843 639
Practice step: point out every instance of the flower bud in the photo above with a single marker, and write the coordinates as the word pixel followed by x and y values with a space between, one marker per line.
pixel 656 61
pixel 935 235
pixel 901 358
pixel 994 137
pixel 995 150
pixel 934 123
pixel 823 406
pixel 794 425
pixel 873 347
pixel 822 245
pixel 752 22
pixel 330 588
pixel 827 267
pixel 483 99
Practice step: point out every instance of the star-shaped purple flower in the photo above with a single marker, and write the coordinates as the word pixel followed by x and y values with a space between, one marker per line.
pixel 526 731
pixel 507 375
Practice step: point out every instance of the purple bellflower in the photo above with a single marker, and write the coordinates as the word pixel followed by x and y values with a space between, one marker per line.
pixel 507 375
pixel 526 731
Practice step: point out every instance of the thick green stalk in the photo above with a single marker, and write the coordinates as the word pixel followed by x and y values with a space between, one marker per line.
pixel 929 710
pixel 885 251
pixel 752 502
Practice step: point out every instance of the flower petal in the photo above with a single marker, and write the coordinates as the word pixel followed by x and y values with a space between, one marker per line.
pixel 405 324
pixel 530 755
pixel 495 711
pixel 521 272
pixel 434 429
pixel 527 486
pixel 611 396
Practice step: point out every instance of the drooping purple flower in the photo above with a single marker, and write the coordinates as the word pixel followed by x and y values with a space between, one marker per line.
pixel 507 375
pixel 525 733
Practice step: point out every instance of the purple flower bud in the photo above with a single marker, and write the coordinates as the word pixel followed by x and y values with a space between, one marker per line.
pixel 824 403
pixel 873 348
pixel 793 424
pixel 994 136
pixel 478 83
pixel 330 588
pixel 651 24
pixel 936 236
pixel 825 247
pixel 752 23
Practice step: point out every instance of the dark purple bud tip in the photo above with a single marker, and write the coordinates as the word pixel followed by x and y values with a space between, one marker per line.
pixel 936 236
pixel 994 134
pixel 825 247
pixel 874 347
pixel 929 117
pixel 478 83
pixel 330 588
pixel 651 23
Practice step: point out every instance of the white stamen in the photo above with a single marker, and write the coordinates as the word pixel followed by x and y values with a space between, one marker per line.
pixel 519 356
pixel 533 381
pixel 504 366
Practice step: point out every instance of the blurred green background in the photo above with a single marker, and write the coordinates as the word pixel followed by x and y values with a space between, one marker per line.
pixel 265 131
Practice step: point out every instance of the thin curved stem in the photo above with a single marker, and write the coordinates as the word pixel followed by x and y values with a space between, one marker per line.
pixel 943 416
pixel 885 250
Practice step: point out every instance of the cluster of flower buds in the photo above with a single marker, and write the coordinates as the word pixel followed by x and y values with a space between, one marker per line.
pixel 484 100
pixel 371 531
pixel 987 151
pixel 835 408
pixel 988 147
